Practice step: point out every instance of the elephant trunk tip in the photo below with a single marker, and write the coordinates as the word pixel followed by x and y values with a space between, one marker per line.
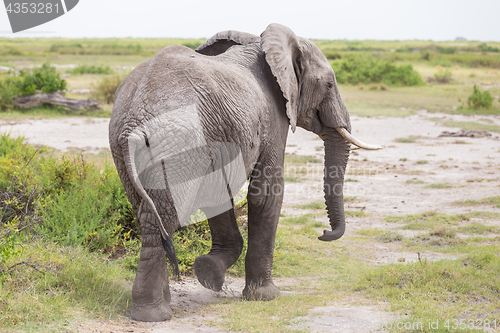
pixel 331 235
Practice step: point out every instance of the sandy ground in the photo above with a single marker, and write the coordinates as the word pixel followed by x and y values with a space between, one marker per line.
pixel 470 165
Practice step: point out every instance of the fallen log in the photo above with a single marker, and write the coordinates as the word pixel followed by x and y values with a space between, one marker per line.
pixel 464 133
pixel 56 98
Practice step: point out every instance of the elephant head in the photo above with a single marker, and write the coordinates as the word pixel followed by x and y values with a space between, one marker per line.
pixel 313 102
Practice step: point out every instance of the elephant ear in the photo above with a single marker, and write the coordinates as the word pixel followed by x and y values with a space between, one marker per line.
pixel 221 41
pixel 284 56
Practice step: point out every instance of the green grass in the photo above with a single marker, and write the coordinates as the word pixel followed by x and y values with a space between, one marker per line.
pixel 370 232
pixel 404 101
pixel 485 201
pixel 389 236
pixel 361 110
pixel 467 286
pixel 300 220
pixel 429 219
pixel 422 162
pixel 427 216
pixel 414 181
pixel 353 213
pixel 478 228
pixel 47 112
pixel 320 205
pixel 299 160
pixel 420 290
pixel 405 140
pixel 438 185
pixel 472 126
pixel 61 286
pixel 317 205
pixel 290 179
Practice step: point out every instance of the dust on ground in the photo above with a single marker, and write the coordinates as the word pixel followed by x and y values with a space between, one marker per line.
pixel 468 167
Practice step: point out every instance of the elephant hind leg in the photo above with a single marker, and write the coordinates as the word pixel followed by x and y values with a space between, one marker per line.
pixel 150 291
pixel 227 245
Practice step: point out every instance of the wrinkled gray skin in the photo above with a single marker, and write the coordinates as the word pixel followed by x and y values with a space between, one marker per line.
pixel 248 90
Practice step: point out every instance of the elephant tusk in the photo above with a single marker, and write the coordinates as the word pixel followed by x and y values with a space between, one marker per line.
pixel 356 142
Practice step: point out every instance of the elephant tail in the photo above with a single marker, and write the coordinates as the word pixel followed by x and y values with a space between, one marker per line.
pixel 166 240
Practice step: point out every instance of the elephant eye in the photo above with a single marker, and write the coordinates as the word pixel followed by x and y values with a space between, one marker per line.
pixel 329 85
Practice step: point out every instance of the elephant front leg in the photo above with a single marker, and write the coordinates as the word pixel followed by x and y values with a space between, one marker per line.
pixel 227 245
pixel 265 196
pixel 151 292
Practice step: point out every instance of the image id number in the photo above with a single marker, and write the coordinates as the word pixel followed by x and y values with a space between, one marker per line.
pixel 26 7
pixel 478 324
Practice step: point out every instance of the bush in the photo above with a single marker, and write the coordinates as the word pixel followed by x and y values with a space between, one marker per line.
pixel 480 100
pixel 486 48
pixel 65 199
pixel 44 79
pixel 9 89
pixel 446 50
pixel 442 75
pixel 105 90
pixel 362 69
pixel 86 69
pixel 425 55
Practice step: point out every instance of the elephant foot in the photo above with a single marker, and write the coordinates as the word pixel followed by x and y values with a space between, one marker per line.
pixel 151 312
pixel 260 292
pixel 151 292
pixel 210 272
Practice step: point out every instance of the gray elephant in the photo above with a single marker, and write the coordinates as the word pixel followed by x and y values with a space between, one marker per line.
pixel 188 128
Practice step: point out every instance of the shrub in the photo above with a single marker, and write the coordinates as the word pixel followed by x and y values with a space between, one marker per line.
pixel 44 79
pixel 9 89
pixel 426 55
pixel 77 202
pixel 443 75
pixel 11 51
pixel 486 48
pixel 446 50
pixel 86 69
pixel 362 69
pixel 105 90
pixel 480 100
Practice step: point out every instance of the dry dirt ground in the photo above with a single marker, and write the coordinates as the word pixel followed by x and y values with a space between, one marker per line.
pixel 470 166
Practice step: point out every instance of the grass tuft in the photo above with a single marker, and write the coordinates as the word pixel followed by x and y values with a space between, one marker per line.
pixel 485 201
pixel 438 185
pixel 409 139
pixel 390 236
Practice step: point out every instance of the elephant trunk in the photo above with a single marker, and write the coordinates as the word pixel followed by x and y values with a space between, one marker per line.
pixel 336 155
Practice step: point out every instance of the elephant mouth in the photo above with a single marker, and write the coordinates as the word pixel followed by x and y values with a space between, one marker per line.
pixel 356 143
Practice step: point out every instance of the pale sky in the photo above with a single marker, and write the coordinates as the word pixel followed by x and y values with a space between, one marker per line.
pixel 321 19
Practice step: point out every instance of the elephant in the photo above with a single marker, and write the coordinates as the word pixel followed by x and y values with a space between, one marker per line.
pixel 189 127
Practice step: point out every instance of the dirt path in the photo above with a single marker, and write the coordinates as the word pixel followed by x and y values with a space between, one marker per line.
pixel 469 168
